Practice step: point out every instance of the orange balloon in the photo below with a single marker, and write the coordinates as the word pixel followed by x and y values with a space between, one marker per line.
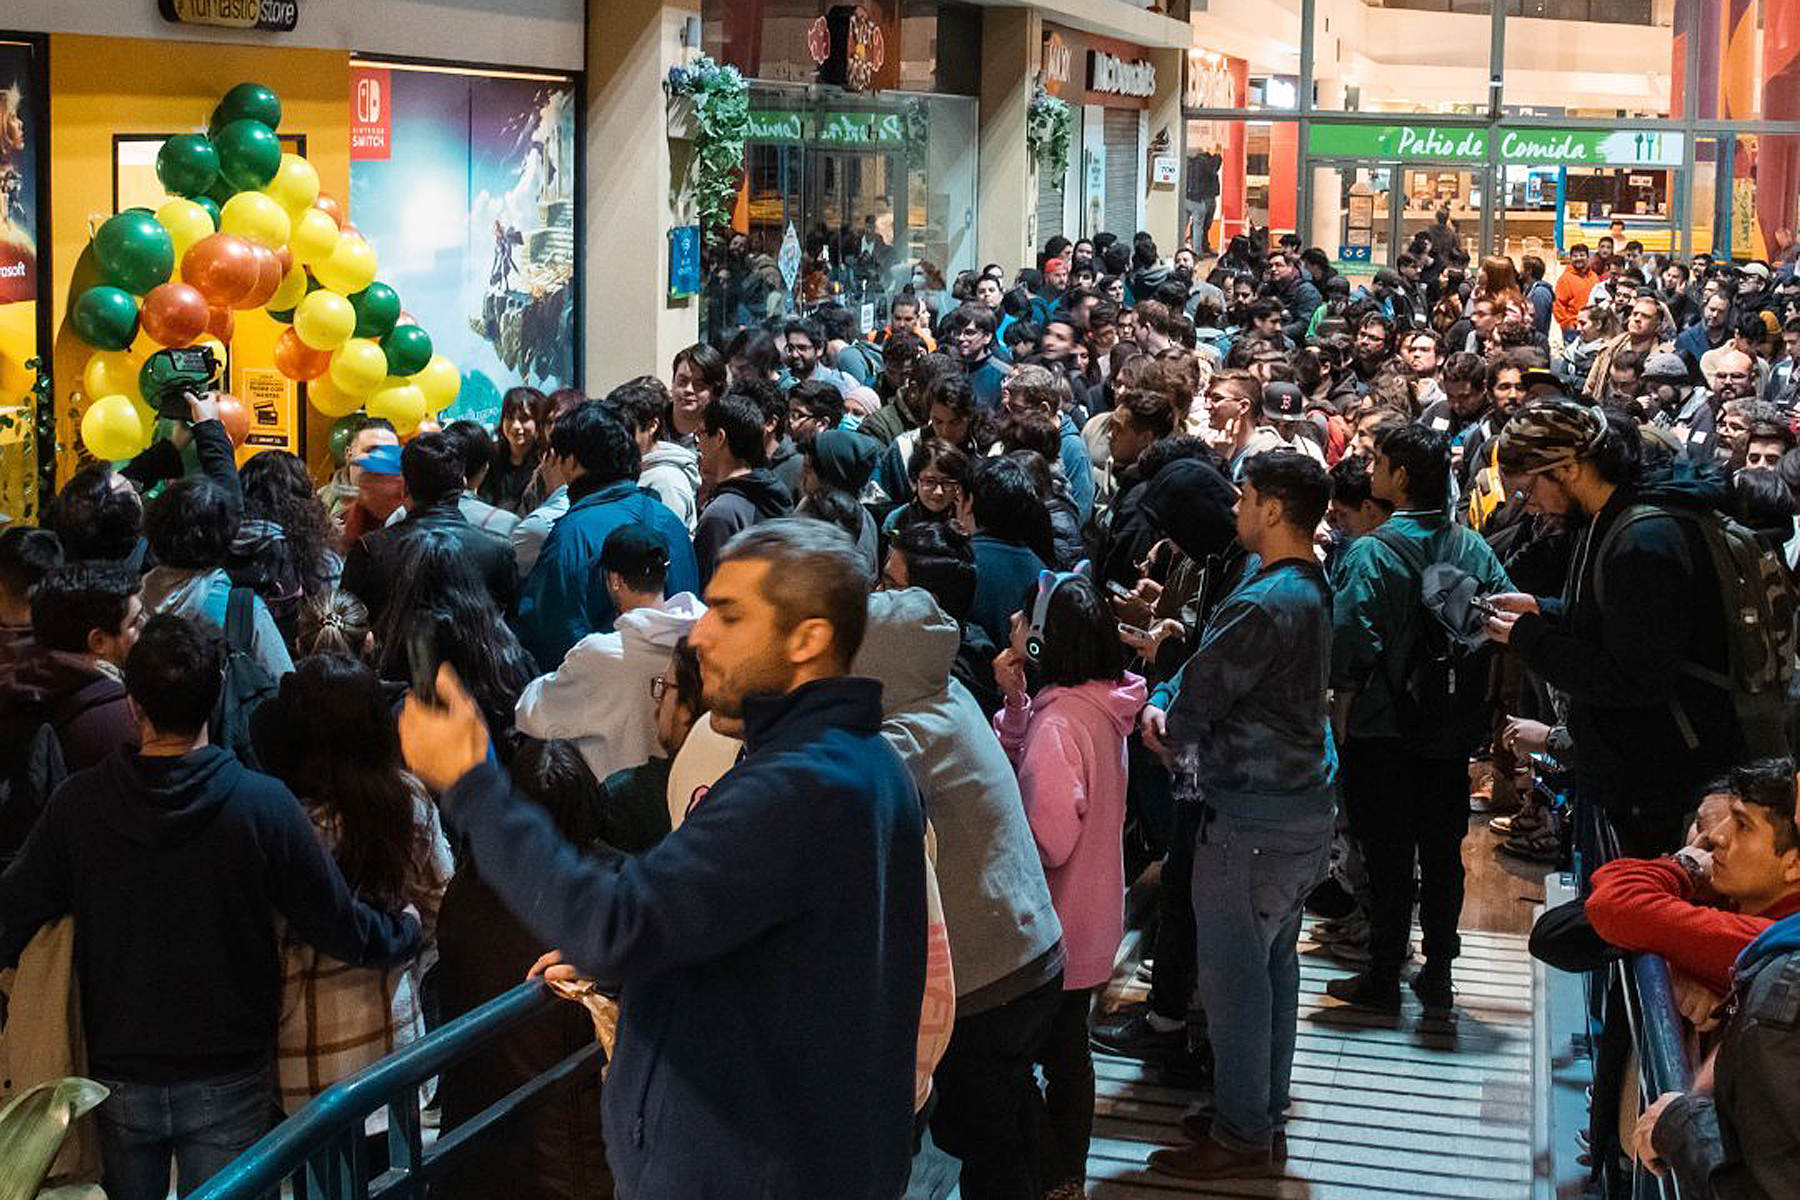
pixel 268 278
pixel 220 323
pixel 235 417
pixel 173 314
pixel 286 257
pixel 297 360
pixel 329 205
pixel 428 425
pixel 224 267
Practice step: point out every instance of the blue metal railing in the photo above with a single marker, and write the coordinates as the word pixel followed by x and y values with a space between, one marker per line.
pixel 1637 991
pixel 321 1150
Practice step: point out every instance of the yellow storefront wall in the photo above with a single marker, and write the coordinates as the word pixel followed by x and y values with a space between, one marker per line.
pixel 101 87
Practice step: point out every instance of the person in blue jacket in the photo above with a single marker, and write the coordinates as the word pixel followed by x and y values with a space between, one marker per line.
pixel 769 956
pixel 564 598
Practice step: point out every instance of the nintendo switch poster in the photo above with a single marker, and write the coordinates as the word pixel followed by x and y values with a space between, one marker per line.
pixel 21 135
pixel 466 186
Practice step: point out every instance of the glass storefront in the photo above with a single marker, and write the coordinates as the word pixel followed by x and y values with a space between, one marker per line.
pixel 1535 123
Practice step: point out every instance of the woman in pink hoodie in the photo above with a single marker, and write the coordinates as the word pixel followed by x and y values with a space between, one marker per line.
pixel 1067 742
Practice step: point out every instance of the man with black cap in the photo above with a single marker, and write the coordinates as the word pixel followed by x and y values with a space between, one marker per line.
pixel 1283 425
pixel 600 696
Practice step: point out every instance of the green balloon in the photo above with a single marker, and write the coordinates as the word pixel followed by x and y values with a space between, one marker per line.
pixel 247 102
pixel 284 315
pixel 212 209
pixel 249 154
pixel 187 165
pixel 377 309
pixel 408 350
pixel 343 430
pixel 134 251
pixel 106 318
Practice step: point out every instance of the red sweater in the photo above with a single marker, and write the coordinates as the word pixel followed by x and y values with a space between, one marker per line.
pixel 1648 904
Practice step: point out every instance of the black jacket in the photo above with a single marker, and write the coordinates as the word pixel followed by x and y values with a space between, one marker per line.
pixel 1743 1141
pixel 175 870
pixel 737 504
pixel 1620 660
pixel 371 568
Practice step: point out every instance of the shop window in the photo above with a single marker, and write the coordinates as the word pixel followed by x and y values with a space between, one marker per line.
pixel 471 197
pixel 1745 201
pixel 1257 179
pixel 1420 56
pixel 23 134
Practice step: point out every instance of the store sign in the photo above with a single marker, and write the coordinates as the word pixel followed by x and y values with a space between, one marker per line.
pixel 875 130
pixel 1211 82
pixel 1438 143
pixel 270 16
pixel 371 112
pixel 1113 75
pixel 274 409
pixel 684 261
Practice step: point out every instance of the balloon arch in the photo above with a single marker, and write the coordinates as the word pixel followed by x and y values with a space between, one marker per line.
pixel 246 227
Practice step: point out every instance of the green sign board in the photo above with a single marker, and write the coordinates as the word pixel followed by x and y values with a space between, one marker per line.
pixel 871 130
pixel 1450 143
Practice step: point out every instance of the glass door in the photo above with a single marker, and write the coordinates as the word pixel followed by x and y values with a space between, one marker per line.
pixel 1462 194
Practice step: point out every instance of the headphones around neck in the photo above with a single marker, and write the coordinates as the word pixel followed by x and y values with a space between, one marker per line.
pixel 1048 582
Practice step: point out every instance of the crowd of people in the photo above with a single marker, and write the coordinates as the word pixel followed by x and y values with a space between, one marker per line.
pixel 822 702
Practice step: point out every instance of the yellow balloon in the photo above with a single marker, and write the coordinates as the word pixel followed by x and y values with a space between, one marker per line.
pixel 325 396
pixel 186 222
pixel 253 215
pixel 401 402
pixel 440 381
pixel 113 373
pixel 295 186
pixel 324 320
pixel 350 267
pixel 112 428
pixel 313 238
pixel 211 343
pixel 291 291
pixel 146 414
pixel 359 366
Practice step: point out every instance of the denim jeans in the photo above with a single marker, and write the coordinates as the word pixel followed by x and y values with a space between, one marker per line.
pixel 1250 883
pixel 201 1125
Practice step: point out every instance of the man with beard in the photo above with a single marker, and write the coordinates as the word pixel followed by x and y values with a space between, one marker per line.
pixel 1674 293
pixel 1464 415
pixel 1573 287
pixel 1423 354
pixel 1643 333
pixel 1733 378
pixel 1665 390
pixel 1640 612
pixel 1373 346
pixel 1290 284
pixel 1718 320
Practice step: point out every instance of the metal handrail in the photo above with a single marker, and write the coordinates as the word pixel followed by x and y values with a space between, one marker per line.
pixel 320 1149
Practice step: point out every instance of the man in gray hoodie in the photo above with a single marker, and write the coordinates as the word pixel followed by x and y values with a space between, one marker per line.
pixel 1005 941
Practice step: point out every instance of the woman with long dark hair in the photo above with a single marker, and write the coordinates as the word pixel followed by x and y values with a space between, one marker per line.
pixel 519 441
pixel 283 547
pixel 341 757
pixel 1067 739
pixel 440 598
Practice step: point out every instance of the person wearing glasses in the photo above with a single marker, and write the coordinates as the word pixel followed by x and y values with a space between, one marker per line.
pixel 940 474
pixel 600 697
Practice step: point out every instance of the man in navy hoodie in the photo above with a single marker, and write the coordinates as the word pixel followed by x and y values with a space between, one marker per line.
pixel 770 957
pixel 174 862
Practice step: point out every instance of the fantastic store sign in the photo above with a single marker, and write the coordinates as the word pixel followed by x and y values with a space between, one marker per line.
pixel 1437 143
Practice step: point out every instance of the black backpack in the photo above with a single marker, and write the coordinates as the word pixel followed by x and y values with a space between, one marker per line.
pixel 31 747
pixel 1441 695
pixel 248 684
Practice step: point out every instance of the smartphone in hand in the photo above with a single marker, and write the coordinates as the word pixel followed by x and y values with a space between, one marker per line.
pixel 422 660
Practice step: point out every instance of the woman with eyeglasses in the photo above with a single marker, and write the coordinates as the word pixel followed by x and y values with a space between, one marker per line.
pixel 939 472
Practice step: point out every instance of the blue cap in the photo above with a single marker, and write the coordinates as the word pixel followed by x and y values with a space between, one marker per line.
pixel 382 460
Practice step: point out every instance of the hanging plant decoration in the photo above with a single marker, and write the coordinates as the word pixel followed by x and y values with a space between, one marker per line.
pixel 1049 126
pixel 711 105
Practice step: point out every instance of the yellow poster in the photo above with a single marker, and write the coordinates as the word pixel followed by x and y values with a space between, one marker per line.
pixel 272 406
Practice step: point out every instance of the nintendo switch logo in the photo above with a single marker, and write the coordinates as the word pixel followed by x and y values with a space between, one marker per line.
pixel 370 113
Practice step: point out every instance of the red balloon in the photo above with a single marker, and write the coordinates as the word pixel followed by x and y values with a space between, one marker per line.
pixel 268 278
pixel 330 207
pixel 224 267
pixel 220 323
pixel 297 360
pixel 235 417
pixel 173 314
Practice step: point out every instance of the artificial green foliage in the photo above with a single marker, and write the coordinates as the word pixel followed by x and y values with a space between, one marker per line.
pixel 1049 126
pixel 721 103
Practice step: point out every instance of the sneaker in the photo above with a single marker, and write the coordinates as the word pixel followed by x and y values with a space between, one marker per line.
pixel 1530 819
pixel 1545 847
pixel 1434 990
pixel 1354 953
pixel 1366 991
pixel 1209 1160
pixel 1351 928
pixel 1128 1032
pixel 1198 1126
